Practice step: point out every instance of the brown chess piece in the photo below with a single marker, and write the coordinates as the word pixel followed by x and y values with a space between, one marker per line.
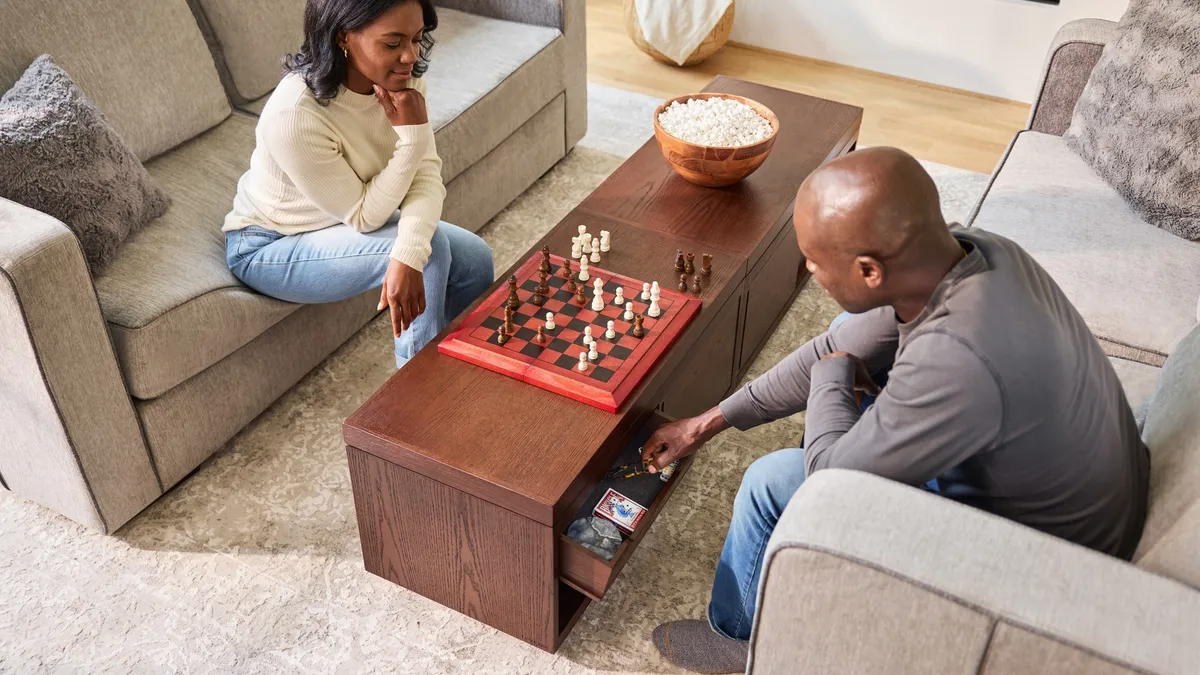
pixel 696 285
pixel 571 285
pixel 683 282
pixel 690 266
pixel 706 267
pixel 566 268
pixel 545 266
pixel 638 331
pixel 580 298
pixel 541 336
pixel 543 286
pixel 537 298
pixel 513 301
pixel 679 264
pixel 501 336
pixel 508 317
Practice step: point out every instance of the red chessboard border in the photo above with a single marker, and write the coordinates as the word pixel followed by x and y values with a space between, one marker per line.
pixel 460 344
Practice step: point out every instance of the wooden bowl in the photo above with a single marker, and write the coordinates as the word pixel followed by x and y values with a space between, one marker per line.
pixel 713 42
pixel 711 166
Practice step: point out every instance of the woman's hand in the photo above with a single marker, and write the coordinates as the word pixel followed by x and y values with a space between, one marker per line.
pixel 404 293
pixel 403 108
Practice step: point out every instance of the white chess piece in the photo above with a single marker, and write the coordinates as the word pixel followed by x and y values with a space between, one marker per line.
pixel 576 248
pixel 611 332
pixel 619 300
pixel 550 321
pixel 605 241
pixel 587 335
pixel 628 311
pixel 645 291
pixel 595 251
pixel 654 309
pixel 582 229
pixel 592 354
pixel 598 298
pixel 583 361
pixel 653 290
pixel 583 270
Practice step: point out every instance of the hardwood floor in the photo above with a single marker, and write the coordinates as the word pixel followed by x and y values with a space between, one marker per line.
pixel 940 124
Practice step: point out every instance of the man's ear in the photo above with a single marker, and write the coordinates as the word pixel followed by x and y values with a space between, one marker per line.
pixel 871 271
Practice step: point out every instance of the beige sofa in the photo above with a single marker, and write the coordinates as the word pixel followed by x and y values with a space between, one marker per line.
pixel 863 575
pixel 113 389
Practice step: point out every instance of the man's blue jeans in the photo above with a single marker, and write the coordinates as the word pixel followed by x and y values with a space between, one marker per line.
pixel 337 263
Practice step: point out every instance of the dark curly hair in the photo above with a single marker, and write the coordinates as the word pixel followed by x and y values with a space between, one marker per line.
pixel 320 60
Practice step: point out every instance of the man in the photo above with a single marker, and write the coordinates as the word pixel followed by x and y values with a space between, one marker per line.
pixel 997 395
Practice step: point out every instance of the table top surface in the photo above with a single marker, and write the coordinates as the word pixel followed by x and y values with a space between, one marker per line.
pixel 526 449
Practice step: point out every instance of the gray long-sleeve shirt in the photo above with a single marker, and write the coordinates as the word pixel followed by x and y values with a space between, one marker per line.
pixel 998 379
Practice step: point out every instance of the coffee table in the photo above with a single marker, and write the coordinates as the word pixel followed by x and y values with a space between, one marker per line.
pixel 465 480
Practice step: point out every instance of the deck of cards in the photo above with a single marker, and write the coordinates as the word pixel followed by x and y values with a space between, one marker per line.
pixel 621 510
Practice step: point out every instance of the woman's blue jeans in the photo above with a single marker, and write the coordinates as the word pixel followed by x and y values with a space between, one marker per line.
pixel 337 263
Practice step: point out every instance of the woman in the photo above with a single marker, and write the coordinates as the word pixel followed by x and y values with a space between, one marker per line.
pixel 344 191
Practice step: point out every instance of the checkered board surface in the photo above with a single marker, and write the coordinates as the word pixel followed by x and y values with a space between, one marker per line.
pixel 623 360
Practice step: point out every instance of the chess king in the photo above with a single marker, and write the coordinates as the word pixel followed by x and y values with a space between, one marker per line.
pixel 960 369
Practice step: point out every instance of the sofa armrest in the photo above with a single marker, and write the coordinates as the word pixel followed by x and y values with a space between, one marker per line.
pixel 1069 62
pixel 569 16
pixel 866 575
pixel 72 441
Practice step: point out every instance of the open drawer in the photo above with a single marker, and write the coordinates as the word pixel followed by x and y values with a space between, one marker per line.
pixel 590 573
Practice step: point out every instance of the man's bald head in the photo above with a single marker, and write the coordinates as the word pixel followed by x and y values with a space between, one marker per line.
pixel 867 219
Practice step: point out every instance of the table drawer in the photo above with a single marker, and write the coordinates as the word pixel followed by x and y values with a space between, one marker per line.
pixel 769 291
pixel 588 572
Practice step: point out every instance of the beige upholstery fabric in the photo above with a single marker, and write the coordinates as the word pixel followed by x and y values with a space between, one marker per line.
pixel 1177 552
pixel 1014 651
pixel 71 440
pixel 487 78
pixel 823 617
pixel 192 421
pixel 1069 62
pixel 172 303
pixel 250 39
pixel 145 64
pixel 1015 574
pixel 547 13
pixel 1137 379
pixel 1133 283
pixel 483 190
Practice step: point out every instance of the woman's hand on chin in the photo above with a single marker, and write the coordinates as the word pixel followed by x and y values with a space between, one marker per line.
pixel 404 294
pixel 403 108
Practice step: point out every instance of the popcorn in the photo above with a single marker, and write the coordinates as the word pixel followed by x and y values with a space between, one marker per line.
pixel 716 122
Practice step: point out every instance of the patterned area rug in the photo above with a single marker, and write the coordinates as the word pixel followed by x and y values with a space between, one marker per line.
pixel 252 564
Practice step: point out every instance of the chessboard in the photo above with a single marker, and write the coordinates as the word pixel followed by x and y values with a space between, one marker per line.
pixel 621 360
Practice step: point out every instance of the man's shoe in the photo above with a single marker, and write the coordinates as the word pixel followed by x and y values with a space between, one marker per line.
pixel 693 645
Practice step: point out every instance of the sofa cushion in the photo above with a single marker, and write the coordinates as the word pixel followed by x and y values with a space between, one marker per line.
pixel 144 64
pixel 486 78
pixel 1137 380
pixel 250 39
pixel 1133 283
pixel 172 305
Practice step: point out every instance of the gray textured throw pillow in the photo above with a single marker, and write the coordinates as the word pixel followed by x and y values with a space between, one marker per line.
pixel 1138 121
pixel 58 155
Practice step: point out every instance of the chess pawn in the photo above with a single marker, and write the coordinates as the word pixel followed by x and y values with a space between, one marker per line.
pixel 628 316
pixel 583 269
pixel 583 362
pixel 645 291
pixel 595 251
pixel 545 265
pixel 501 336
pixel 540 338
pixel 706 267
pixel 696 285
pixel 593 355
pixel 598 297
pixel 683 283
pixel 550 321
pixel 654 310
pixel 605 241
pixel 679 264
pixel 587 335
pixel 566 268
pixel 571 285
pixel 580 298
pixel 690 266
pixel 611 333
pixel 619 300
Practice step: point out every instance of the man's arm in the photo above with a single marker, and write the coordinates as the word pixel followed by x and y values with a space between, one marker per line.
pixel 784 390
pixel 942 404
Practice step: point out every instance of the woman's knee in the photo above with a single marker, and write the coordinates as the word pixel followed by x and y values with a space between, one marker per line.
pixel 472 256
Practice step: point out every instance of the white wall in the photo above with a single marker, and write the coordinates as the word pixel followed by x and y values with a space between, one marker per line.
pixel 993 47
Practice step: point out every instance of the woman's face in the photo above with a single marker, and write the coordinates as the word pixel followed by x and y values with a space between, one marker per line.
pixel 386 49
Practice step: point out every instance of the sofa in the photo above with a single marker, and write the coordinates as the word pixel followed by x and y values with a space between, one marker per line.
pixel 863 575
pixel 114 388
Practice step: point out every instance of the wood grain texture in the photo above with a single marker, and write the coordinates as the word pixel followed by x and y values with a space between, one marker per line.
pixel 703 381
pixel 456 549
pixel 709 166
pixel 951 126
pixel 770 290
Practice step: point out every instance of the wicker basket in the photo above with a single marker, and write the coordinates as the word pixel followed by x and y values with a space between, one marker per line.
pixel 715 40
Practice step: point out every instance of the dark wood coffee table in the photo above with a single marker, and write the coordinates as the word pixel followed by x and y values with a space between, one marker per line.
pixel 465 480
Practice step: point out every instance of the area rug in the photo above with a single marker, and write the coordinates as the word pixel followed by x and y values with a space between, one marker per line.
pixel 252 564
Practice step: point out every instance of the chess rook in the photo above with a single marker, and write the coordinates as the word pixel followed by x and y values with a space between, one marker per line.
pixel 690 266
pixel 706 264
pixel 582 230
pixel 638 331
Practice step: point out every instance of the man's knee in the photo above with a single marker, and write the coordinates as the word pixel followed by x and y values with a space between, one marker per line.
pixel 771 480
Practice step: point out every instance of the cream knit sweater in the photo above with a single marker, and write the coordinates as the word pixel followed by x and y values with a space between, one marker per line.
pixel 314 166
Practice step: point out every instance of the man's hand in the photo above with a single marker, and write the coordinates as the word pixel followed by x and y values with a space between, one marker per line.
pixel 862 379
pixel 403 108
pixel 681 438
pixel 404 293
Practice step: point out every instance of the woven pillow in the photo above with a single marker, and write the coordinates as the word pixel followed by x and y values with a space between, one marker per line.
pixel 1138 119
pixel 58 155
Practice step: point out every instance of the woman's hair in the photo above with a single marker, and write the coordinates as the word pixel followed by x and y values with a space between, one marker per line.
pixel 320 60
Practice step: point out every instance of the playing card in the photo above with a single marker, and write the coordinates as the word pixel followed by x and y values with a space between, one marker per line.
pixel 621 510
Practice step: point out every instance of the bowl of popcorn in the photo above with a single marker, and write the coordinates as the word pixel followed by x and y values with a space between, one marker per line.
pixel 714 139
